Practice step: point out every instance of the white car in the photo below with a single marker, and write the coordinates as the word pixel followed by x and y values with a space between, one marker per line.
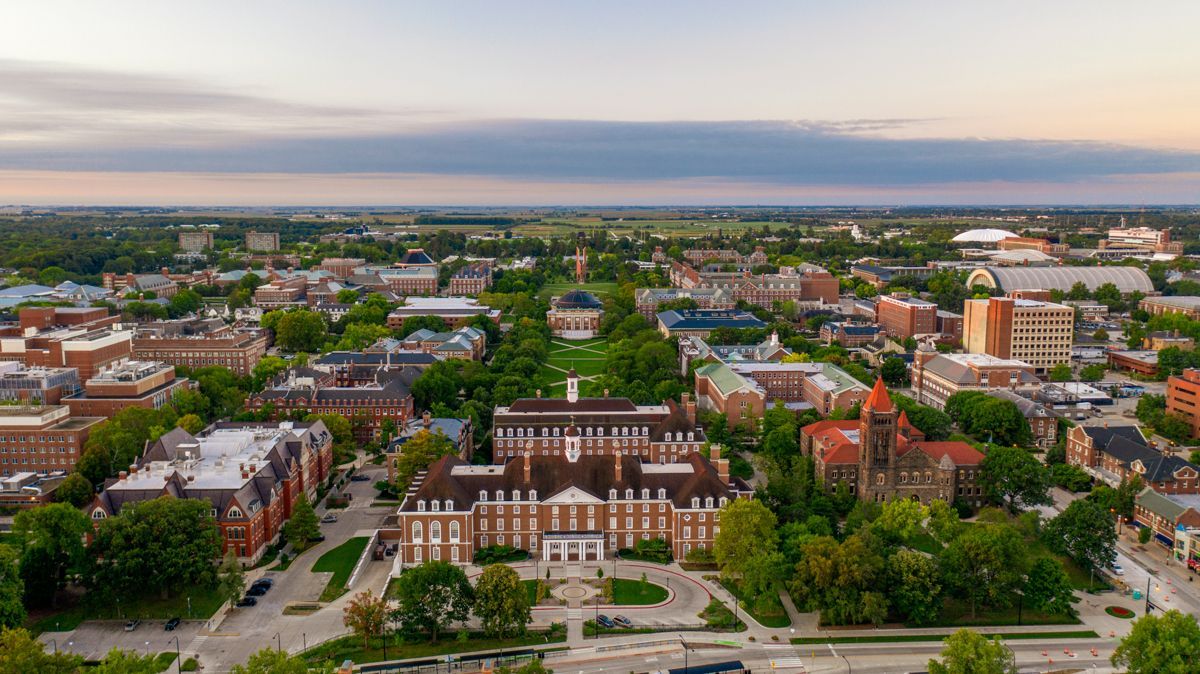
pixel 1117 569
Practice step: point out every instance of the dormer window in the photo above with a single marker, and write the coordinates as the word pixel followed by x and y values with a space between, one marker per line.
pixel 589 430
pixel 532 494
pixel 545 432
pixel 662 493
pixel 695 501
pixel 645 493
pixel 612 494
pixel 645 430
pixel 629 494
pixel 449 504
pixel 624 430
pixel 499 495
pixel 691 436
pixel 556 429
pixel 421 506
pixel 99 514
pixel 723 501
pixel 708 502
pixel 235 513
pixel 516 495
pixel 482 495
pixel 520 432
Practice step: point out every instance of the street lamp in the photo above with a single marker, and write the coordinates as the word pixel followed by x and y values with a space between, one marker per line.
pixel 278 643
pixel 178 656
pixel 55 646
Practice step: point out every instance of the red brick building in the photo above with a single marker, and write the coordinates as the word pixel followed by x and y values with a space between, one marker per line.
pixel 200 343
pixel 367 406
pixel 341 267
pixel 902 315
pixel 251 473
pixel 281 293
pixel 1112 454
pixel 127 384
pixel 1183 398
pixel 471 279
pixel 41 438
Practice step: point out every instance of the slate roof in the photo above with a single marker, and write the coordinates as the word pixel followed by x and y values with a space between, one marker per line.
pixel 708 319
pixel 416 256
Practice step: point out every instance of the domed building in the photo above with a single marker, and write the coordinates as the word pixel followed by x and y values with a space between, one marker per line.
pixel 991 236
pixel 575 315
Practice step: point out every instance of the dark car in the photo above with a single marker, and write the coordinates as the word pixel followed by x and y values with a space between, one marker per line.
pixel 359 477
pixel 256 591
pixel 247 601
pixel 263 582
pixel 605 621
pixel 172 624
pixel 622 621
pixel 317 539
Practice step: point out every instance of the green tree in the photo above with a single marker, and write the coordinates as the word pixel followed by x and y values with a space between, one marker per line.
pixel 943 521
pixel 841 580
pixel 303 525
pixel 184 302
pixel 191 423
pixel 12 588
pixel 347 296
pixel 748 529
pixel 75 490
pixel 915 586
pixel 1084 531
pixel 158 546
pixel 266 369
pixel 20 653
pixel 51 547
pixel 1093 372
pixel 985 564
pixel 968 652
pixel 1166 644
pixel 301 330
pixel 894 372
pixel 1048 588
pixel 358 336
pixel 430 597
pixel 271 661
pixel 1100 335
pixel 366 615
pixel 1013 477
pixel 126 662
pixel 231 578
pixel 418 453
pixel 1061 372
pixel 501 602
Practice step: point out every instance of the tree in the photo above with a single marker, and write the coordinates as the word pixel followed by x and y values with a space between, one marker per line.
pixel 271 661
pixel 185 301
pixel 52 546
pixel 157 546
pixel 899 520
pixel 191 423
pixel 501 602
pixel 840 580
pixel 1013 477
pixel 1048 588
pixel 1100 335
pixel 894 372
pixel 984 563
pixel 430 597
pixel 366 615
pixel 12 589
pixel 1061 372
pixel 266 369
pixel 748 529
pixel 1166 644
pixel 418 453
pixel 231 578
pixel 943 521
pixel 1085 532
pixel 75 490
pixel 968 652
pixel 916 588
pixel 20 652
pixel 1093 372
pixel 303 525
pixel 301 330
pixel 126 662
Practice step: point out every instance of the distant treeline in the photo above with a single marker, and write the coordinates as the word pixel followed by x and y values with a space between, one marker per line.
pixel 491 221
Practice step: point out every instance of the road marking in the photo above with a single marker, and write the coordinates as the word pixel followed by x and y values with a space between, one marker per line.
pixel 653 659
pixel 787 663
pixel 778 646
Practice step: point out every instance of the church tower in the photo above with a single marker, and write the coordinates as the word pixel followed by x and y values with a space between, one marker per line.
pixel 877 445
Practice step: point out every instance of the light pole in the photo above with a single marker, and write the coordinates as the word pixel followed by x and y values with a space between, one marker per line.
pixel 597 621
pixel 178 656
pixel 278 643
pixel 55 646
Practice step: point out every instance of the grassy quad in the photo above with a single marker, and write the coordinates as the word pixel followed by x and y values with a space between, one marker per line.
pixel 588 357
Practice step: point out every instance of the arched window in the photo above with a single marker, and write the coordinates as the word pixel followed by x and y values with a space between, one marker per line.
pixel 879 479
pixel 708 502
pixel 435 532
pixel 556 431
pixel 454 532
pixel 482 494
pixel 645 430
pixel 418 532
pixel 98 514
pixel 928 478
pixel 421 506
pixel 449 504
pixel 662 493
pixel 903 478
pixel 235 512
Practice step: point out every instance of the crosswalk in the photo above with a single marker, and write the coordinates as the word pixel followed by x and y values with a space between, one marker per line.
pixel 787 663
pixel 574 613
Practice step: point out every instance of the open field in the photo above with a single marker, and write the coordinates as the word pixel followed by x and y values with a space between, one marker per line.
pixel 587 357
pixel 598 289
pixel 669 228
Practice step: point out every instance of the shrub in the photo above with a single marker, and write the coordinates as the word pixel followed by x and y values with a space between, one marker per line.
pixel 1144 535
pixel 653 550
pixel 701 556
pixel 497 554
pixel 1071 478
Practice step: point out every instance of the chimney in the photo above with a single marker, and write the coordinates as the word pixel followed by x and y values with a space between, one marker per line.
pixel 723 469
pixel 539 393
pixel 133 469
pixel 605 393
pixel 714 452
pixel 617 464
pixel 426 419
pixel 526 465
pixel 122 475
pixel 164 271
pixel 689 407
pixel 245 475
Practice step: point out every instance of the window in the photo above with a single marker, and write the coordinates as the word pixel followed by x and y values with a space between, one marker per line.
pixel 662 493
pixel 499 495
pixel 687 532
pixel 629 493
pixel 435 532
pixel 454 536
pixel 695 501
pixel 612 494
pixel 645 493
pixel 482 495
pixel 98 514
pixel 449 504
pixel 235 513
pixel 417 534
pixel 437 505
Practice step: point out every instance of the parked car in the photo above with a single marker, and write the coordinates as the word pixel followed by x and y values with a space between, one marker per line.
pixel 246 601
pixel 172 624
pixel 622 621
pixel 359 477
pixel 265 582
pixel 1118 569
pixel 329 518
pixel 256 591
pixel 317 539
pixel 132 625
pixel 605 621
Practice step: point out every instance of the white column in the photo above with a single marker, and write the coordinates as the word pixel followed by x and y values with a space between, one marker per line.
pixel 599 551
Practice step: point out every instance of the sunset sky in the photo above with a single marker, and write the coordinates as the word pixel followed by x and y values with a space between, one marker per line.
pixel 505 103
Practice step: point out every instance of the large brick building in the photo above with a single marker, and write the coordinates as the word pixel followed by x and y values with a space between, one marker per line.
pixel 1183 398
pixel 65 337
pixel 252 473
pixel 36 385
pixel 199 343
pixel 575 315
pixel 262 242
pixel 282 293
pixel 1035 332
pixel 471 279
pixel 881 456
pixel 41 438
pixel 456 311
pixel 937 376
pixel 129 383
pixel 649 299
pixel 1158 306
pixel 194 242
pixel 719 389
pixel 1112 454
pixel 902 315
pixel 367 406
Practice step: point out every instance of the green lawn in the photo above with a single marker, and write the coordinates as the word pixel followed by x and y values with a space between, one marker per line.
pixel 599 289
pixel 956 612
pixel 340 561
pixel 351 647
pixel 899 638
pixel 630 592
pixel 204 603
pixel 589 360
pixel 776 617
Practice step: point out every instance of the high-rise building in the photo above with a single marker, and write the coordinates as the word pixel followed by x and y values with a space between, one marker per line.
pixel 1183 398
pixel 903 315
pixel 1032 331
pixel 262 242
pixel 194 242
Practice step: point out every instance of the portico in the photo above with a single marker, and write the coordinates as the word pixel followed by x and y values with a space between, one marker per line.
pixel 579 546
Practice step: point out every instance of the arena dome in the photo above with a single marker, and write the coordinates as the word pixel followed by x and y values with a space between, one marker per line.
pixel 983 236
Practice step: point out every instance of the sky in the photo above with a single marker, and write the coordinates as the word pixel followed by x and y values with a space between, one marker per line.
pixel 599 103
